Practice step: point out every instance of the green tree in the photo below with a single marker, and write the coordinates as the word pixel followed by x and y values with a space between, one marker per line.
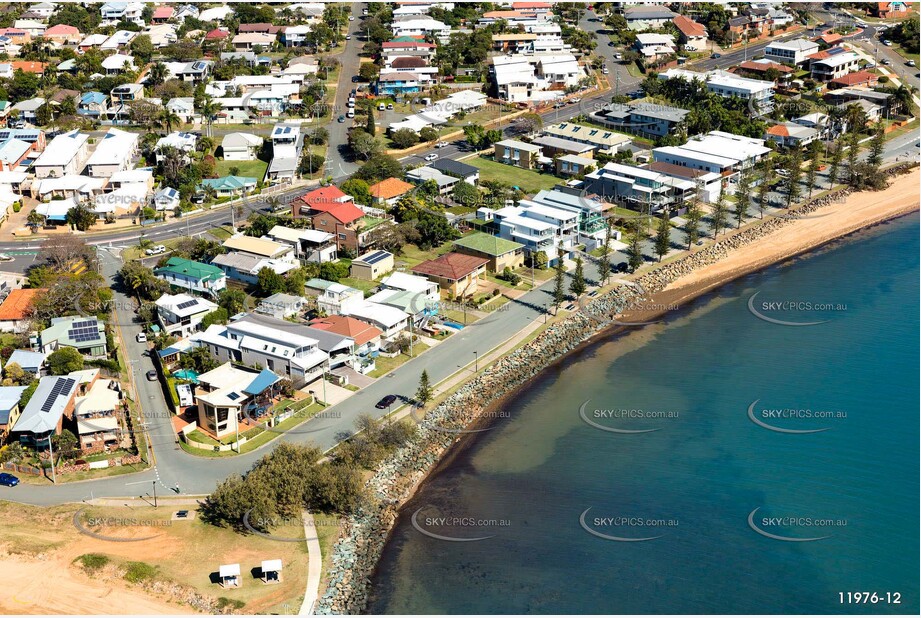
pixel 577 285
pixel 404 138
pixel 81 218
pixel 559 290
pixel 875 156
pixel 218 316
pixel 475 135
pixel 718 214
pixel 635 250
pixel 794 169
pixel 370 128
pixel 142 48
pixel 64 360
pixel 368 71
pixel 663 238
pixel 853 150
pixel 358 189
pixel 231 300
pixel 65 443
pixel 604 260
pixel 815 160
pixel 269 282
pixel 743 195
pixel 199 360
pixel 424 392
pixel 834 168
pixel 428 134
pixel 766 178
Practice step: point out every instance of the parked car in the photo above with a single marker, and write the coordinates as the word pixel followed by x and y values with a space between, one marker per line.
pixel 350 113
pixel 910 63
pixel 157 250
pixel 356 78
pixel 198 198
pixel 605 71
pixel 348 37
pixel 431 157
pixel 141 338
pixel 887 62
pixel 341 118
pixel 8 480
pixel 381 107
pixel 441 144
pixel 559 104
pixel 390 106
pixel 386 402
pixel 151 375
pixel 352 17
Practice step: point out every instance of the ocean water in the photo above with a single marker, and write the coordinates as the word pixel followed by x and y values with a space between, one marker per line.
pixel 691 485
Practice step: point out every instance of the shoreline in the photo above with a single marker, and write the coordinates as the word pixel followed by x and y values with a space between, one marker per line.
pixel 678 282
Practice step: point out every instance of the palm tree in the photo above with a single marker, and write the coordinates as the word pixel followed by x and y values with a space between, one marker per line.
pixel 157 74
pixel 208 109
pixel 167 119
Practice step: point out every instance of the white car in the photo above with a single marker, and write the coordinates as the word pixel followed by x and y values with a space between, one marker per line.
pixel 441 144
pixel 351 103
pixel 156 250
pixel 887 43
pixel 142 338
pixel 350 113
pixel 431 157
pixel 604 71
pixel 351 18
pixel 381 107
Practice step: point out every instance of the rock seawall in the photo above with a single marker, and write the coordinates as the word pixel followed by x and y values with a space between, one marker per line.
pixel 364 534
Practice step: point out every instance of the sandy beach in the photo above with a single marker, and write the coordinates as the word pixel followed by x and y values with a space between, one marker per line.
pixel 857 211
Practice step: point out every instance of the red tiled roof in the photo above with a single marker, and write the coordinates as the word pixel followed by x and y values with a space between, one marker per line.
pixel 855 78
pixel 503 14
pixel 18 305
pixel 779 130
pixel 163 12
pixel 29 66
pixel 688 26
pixel 343 212
pixel 531 5
pixel 331 193
pixel 390 188
pixel 217 33
pixel 831 38
pixel 764 66
pixel 361 332
pixel 452 266
pixel 61 29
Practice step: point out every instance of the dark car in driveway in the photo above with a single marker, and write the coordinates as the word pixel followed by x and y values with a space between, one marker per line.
pixel 386 402
pixel 8 480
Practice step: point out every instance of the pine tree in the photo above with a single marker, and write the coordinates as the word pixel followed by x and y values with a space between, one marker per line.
pixel 815 160
pixel 604 266
pixel 853 149
pixel 692 221
pixel 634 251
pixel 559 291
pixel 767 179
pixel 718 215
pixel 875 157
pixel 794 173
pixel 370 128
pixel 577 285
pixel 837 153
pixel 424 392
pixel 663 238
pixel 743 195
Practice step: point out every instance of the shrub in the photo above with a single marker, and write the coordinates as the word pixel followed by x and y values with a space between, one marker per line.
pixel 137 572
pixel 92 562
pixel 224 603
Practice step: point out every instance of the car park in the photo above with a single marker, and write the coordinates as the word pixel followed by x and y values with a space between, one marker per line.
pixel 386 402
pixel 8 480
pixel 431 157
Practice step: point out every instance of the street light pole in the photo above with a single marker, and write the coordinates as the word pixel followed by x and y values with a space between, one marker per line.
pixel 476 362
pixel 155 493
pixel 51 455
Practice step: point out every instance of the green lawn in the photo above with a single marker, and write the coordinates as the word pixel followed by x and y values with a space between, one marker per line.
pixel 385 365
pixel 529 181
pixel 255 169
pixel 359 284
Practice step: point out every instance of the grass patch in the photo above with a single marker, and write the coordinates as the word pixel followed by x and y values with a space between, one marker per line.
pixel 137 572
pixel 92 562
pixel 359 284
pixel 225 603
pixel 255 168
pixel 528 181
pixel 384 365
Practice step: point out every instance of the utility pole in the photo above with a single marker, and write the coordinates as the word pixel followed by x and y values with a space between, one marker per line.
pixel 476 362
pixel 155 493
pixel 51 456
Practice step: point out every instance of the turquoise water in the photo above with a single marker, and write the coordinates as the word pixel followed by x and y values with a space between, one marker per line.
pixel 694 481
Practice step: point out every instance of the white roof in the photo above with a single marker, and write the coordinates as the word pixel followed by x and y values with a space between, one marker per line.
pixel 179 304
pixel 136 176
pixel 70 182
pixel 377 313
pixel 229 570
pixel 62 149
pixel 117 61
pixel 795 44
pixel 651 38
pixel 271 565
pixel 93 40
pixel 241 140
pixel 114 147
pixel 729 145
pixel 100 398
pixel 681 151
pixel 405 281
pixel 267 333
pixel 178 139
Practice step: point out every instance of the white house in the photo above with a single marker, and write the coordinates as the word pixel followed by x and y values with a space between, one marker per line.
pixel 184 142
pixel 114 153
pixel 66 154
pixel 790 52
pixel 240 146
pixel 114 12
pixel 181 314
pixel 118 63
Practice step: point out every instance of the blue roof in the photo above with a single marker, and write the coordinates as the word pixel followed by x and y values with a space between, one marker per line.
pixel 27 359
pixel 264 380
pixel 92 97
pixel 167 352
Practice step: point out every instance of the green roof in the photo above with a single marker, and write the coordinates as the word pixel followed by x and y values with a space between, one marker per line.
pixel 318 284
pixel 488 244
pixel 190 269
pixel 228 183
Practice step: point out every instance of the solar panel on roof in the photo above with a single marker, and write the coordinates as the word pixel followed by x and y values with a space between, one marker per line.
pixel 186 304
pixel 376 257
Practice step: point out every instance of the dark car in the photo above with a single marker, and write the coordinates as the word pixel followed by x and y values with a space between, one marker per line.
pixel 386 402
pixel 182 514
pixel 356 78
pixel 716 55
pixel 8 480
pixel 621 268
pixel 341 118
pixel 151 375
